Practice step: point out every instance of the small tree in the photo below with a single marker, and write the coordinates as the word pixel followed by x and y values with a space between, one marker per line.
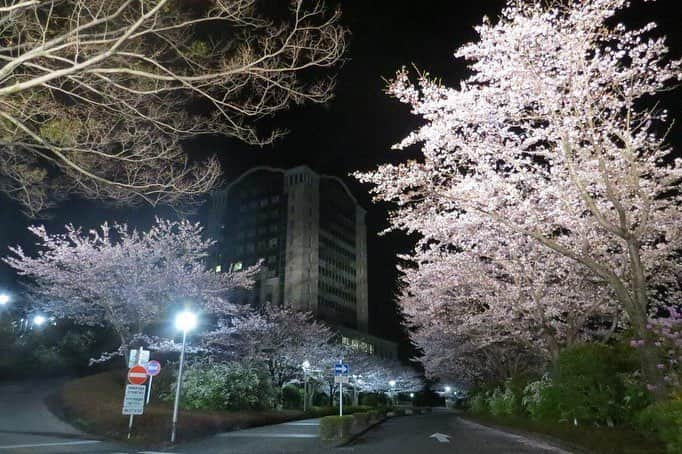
pixel 280 337
pixel 124 278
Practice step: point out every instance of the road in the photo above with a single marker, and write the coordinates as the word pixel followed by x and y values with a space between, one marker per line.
pixel 443 432
pixel 27 426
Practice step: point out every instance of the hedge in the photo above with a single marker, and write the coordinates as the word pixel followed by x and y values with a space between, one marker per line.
pixel 664 420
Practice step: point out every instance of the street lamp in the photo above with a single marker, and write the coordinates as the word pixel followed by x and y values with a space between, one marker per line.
pixel 448 389
pixel 306 366
pixel 184 321
pixel 39 320
pixel 391 383
pixel 4 299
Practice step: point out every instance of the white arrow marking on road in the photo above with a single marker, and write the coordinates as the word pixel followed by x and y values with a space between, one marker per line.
pixel 442 438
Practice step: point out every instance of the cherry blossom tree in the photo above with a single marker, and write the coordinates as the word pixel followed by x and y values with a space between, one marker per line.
pixel 281 338
pixel 125 278
pixel 97 95
pixel 499 293
pixel 554 137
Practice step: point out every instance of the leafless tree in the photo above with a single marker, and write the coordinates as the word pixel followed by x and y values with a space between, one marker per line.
pixel 97 95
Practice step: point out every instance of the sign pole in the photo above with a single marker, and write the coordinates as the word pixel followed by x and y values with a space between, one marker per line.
pixel 149 389
pixel 130 422
pixel 341 394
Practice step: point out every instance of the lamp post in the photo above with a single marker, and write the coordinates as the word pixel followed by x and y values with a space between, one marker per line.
pixel 391 383
pixel 306 366
pixel 185 321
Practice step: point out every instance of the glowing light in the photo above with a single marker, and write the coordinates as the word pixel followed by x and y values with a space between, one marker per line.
pixel 186 321
pixel 38 320
pixel 4 299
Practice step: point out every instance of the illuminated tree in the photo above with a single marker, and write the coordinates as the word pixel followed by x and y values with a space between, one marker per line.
pixel 551 138
pixel 124 278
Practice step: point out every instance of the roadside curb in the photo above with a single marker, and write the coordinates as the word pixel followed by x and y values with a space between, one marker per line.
pixel 357 435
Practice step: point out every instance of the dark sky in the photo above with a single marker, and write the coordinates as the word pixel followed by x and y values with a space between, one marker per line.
pixel 357 129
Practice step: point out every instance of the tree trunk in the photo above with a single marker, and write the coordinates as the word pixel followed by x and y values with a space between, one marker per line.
pixel 639 317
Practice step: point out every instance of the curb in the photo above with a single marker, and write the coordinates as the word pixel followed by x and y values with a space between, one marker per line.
pixel 357 435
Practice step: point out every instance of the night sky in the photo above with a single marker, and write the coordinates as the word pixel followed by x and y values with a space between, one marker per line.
pixel 356 130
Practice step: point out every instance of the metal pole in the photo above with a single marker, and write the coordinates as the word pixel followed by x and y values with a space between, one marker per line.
pixel 341 398
pixel 177 388
pixel 130 421
pixel 130 426
pixel 305 391
pixel 149 389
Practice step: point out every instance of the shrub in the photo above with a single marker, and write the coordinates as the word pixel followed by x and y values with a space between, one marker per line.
pixel 336 427
pixel 225 386
pixel 478 403
pixel 664 420
pixel 585 386
pixel 635 397
pixel 502 403
pixel 292 397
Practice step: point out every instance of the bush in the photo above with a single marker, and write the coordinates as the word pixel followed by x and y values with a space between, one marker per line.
pixel 478 403
pixel 664 420
pixel 292 397
pixel 336 427
pixel 225 386
pixel 585 387
pixel 502 403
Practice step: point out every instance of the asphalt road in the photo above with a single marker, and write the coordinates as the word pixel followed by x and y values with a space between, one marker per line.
pixel 27 426
pixel 443 432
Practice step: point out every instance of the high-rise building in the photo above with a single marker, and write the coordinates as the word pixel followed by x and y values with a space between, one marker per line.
pixel 310 234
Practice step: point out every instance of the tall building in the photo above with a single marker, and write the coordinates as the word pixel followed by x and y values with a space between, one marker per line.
pixel 310 233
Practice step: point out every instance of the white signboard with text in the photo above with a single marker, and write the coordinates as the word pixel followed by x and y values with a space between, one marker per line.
pixel 133 402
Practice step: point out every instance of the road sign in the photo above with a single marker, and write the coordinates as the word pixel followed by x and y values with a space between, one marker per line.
pixel 153 368
pixel 341 369
pixel 138 356
pixel 137 375
pixel 133 402
pixel 341 379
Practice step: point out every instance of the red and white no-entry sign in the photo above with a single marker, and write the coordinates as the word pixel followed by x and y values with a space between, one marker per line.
pixel 137 375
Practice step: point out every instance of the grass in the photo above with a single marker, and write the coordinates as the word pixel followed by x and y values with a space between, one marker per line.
pixel 94 404
pixel 591 439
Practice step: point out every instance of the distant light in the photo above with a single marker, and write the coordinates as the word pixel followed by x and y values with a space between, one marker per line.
pixel 4 299
pixel 186 321
pixel 218 268
pixel 306 364
pixel 448 389
pixel 411 395
pixel 392 383
pixel 38 320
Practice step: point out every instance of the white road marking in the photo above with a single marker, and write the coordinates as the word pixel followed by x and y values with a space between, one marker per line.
pixel 43 445
pixel 264 435
pixel 301 423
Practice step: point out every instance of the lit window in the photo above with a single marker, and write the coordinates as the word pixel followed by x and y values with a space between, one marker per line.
pixel 237 266
pixel 218 268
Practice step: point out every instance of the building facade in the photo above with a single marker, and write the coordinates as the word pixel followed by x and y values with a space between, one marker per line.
pixel 309 233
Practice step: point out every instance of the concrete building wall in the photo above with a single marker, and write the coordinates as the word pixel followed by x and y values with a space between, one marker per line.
pixel 362 303
pixel 302 238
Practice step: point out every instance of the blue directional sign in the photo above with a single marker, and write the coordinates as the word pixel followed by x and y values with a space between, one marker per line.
pixel 341 369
